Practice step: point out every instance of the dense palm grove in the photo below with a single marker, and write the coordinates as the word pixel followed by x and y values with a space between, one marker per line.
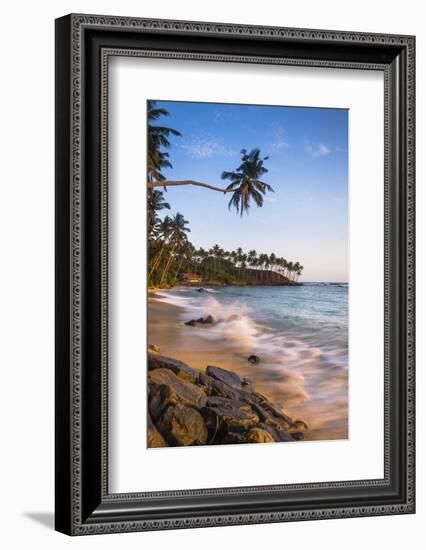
pixel 170 252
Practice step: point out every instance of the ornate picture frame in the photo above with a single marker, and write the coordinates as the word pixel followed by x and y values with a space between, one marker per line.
pixel 84 44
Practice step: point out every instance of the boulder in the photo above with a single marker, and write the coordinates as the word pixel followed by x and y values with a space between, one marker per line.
pixel 217 388
pixel 182 426
pixel 235 437
pixel 257 435
pixel 253 359
pixel 209 320
pixel 254 435
pixel 299 426
pixel 277 435
pixel 225 376
pixel 179 390
pixel 154 438
pixel 297 436
pixel 160 397
pixel 178 367
pixel 222 402
pixel 274 411
pixel 229 417
pixel 152 348
pixel 279 424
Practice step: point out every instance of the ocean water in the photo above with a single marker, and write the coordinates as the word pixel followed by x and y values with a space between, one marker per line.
pixel 300 334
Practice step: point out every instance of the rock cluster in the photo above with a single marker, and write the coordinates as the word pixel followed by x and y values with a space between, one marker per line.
pixel 209 320
pixel 189 407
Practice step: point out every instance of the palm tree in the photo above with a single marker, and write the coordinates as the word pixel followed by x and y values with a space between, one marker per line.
pixel 156 203
pixel 252 259
pixel 157 138
pixel 186 253
pixel 216 253
pixel 272 260
pixel 261 263
pixel 177 237
pixel 162 231
pixel 239 257
pixel 290 269
pixel 245 181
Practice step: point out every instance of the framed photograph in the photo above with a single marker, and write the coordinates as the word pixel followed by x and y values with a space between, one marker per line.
pixel 234 274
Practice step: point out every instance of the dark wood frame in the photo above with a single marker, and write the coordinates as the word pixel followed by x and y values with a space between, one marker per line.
pixel 83 46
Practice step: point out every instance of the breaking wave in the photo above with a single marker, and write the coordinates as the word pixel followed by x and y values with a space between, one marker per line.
pixel 301 367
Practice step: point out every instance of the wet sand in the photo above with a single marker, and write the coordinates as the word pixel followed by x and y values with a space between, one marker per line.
pixel 167 329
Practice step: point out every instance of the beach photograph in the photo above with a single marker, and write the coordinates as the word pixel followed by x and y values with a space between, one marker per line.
pixel 247 274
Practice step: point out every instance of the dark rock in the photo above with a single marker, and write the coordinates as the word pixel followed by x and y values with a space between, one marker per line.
pixel 253 359
pixel 257 435
pixel 223 402
pixel 254 435
pixel 216 387
pixel 274 411
pixel 285 437
pixel 182 426
pixel 225 376
pixel 152 348
pixel 155 439
pixel 230 412
pixel 179 390
pixel 281 436
pixel 209 320
pixel 299 425
pixel 178 367
pixel 278 424
pixel 230 417
pixel 201 290
pixel 158 400
pixel 234 437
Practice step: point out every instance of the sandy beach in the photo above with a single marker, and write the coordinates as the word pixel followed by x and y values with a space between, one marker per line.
pixel 167 329
pixel 283 386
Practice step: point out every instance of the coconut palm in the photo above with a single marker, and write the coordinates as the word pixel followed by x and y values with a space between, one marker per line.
pixel 162 231
pixel 246 184
pixel 158 138
pixel 252 259
pixel 156 203
pixel 177 237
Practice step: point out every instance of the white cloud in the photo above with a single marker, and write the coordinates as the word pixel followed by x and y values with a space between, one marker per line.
pixel 317 149
pixel 206 146
pixel 280 141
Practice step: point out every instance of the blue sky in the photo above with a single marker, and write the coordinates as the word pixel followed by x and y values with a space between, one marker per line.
pixel 305 220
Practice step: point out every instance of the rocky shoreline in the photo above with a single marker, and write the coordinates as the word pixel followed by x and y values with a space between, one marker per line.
pixel 215 407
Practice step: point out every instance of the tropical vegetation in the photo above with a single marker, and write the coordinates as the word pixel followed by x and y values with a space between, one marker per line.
pixel 170 252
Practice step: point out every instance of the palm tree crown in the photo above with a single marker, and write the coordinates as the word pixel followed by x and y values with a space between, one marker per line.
pixel 157 138
pixel 245 181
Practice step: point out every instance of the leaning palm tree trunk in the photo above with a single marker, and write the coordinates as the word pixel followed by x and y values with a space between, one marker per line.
pixel 167 266
pixel 152 184
pixel 178 270
pixel 157 260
